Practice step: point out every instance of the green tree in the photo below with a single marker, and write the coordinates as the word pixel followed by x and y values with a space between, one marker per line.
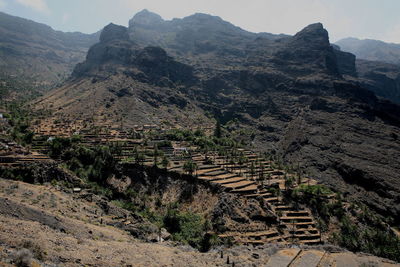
pixel 165 162
pixel 138 157
pixel 190 167
pixel 155 155
pixel 288 182
pixel 217 131
pixel 252 170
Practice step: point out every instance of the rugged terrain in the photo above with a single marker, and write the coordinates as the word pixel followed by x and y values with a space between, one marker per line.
pixel 377 65
pixel 295 96
pixel 59 227
pixel 381 78
pixel 37 53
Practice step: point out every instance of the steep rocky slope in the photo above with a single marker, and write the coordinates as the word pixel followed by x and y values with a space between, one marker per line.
pixel 377 65
pixel 35 51
pixel 121 81
pixel 287 93
pixel 381 78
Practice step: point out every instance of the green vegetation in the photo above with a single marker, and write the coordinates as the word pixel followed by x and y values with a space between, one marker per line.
pixel 185 227
pixel 218 131
pixel 165 162
pixel 19 120
pixel 198 138
pixel 139 157
pixel 164 143
pixel 374 239
pixel 94 164
pixel 317 198
pixel 190 167
pixel 360 229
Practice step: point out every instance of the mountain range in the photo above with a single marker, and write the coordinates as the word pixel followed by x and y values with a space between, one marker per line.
pixel 298 97
pixel 373 50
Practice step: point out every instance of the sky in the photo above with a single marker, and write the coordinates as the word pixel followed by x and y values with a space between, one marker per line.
pixel 364 19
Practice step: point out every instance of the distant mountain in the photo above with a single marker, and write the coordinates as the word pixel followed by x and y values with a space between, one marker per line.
pixel 199 38
pixel 36 52
pixel 381 78
pixel 295 96
pixel 377 65
pixel 373 50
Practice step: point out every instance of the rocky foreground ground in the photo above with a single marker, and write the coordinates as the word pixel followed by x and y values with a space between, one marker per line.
pixel 43 226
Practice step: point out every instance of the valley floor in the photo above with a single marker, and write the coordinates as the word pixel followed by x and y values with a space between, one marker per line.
pixel 62 229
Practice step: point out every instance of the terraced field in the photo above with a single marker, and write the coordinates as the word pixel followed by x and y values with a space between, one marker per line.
pixel 253 177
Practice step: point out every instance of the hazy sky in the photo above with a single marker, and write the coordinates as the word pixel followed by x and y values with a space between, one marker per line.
pixel 374 19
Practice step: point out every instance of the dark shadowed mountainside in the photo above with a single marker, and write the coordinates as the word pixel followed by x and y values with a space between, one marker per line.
pixel 381 78
pixel 378 65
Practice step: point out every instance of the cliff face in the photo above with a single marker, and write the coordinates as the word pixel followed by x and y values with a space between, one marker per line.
pixel 310 47
pixel 149 65
pixel 287 92
pixel 381 78
pixel 346 62
pixel 378 65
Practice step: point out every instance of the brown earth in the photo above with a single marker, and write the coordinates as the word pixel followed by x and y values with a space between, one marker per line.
pixel 61 229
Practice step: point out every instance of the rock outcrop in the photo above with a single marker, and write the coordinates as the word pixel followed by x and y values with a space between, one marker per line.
pixel 114 32
pixel 346 62
pixel 310 47
pixel 148 65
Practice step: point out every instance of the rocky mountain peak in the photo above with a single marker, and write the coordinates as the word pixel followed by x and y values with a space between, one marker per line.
pixel 310 47
pixel 114 32
pixel 202 17
pixel 145 17
pixel 313 35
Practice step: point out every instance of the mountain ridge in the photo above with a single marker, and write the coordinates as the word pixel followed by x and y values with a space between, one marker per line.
pixel 370 49
pixel 36 52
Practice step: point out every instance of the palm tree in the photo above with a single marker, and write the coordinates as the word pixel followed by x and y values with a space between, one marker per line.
pixel 288 182
pixel 190 166
pixel 139 157
pixel 217 131
pixel 155 154
pixel 252 170
pixel 261 174
pixel 165 162
pixel 241 161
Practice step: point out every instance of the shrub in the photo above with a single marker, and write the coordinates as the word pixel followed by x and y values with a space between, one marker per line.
pixel 190 166
pixel 22 258
pixel 375 240
pixel 185 227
